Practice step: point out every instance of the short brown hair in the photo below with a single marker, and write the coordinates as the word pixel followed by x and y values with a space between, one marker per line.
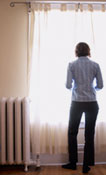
pixel 82 49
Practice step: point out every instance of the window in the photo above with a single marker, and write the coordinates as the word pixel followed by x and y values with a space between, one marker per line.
pixel 56 34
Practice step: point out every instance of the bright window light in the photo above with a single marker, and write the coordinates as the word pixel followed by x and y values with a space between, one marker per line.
pixel 56 34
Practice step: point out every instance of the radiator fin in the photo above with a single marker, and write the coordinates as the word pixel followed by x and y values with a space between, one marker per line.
pixel 14 131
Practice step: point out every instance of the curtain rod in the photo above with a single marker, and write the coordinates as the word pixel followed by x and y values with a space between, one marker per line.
pixel 12 4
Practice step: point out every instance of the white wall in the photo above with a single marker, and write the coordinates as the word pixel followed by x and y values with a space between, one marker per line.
pixel 13 49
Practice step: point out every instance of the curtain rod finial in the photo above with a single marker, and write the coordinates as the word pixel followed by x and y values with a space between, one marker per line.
pixel 12 4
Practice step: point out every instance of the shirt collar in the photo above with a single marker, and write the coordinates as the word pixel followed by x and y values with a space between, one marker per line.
pixel 83 57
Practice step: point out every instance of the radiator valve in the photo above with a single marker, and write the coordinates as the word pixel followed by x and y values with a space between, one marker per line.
pixel 37 160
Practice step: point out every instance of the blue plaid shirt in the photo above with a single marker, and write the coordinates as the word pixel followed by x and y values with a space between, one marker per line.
pixel 81 75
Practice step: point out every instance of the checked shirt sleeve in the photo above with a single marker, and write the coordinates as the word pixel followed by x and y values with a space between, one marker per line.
pixel 69 77
pixel 99 79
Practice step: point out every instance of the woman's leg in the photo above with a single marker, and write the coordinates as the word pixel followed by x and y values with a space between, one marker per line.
pixel 90 121
pixel 74 121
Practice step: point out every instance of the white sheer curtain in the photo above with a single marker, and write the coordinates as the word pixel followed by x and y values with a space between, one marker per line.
pixel 55 36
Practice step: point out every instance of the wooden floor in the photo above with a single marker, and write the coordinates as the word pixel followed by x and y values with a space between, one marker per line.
pixel 50 170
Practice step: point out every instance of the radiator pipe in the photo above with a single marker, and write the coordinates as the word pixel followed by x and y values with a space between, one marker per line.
pixel 38 160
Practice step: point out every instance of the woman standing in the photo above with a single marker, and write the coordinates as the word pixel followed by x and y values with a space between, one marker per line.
pixel 80 77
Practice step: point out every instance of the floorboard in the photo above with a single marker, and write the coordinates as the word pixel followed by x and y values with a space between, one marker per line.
pixel 50 170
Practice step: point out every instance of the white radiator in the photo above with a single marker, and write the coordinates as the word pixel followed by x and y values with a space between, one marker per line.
pixel 14 131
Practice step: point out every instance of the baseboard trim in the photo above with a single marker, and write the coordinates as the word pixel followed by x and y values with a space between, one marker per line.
pixel 59 159
pixel 59 164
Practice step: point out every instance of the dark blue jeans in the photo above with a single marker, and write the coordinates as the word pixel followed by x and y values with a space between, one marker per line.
pixel 91 110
